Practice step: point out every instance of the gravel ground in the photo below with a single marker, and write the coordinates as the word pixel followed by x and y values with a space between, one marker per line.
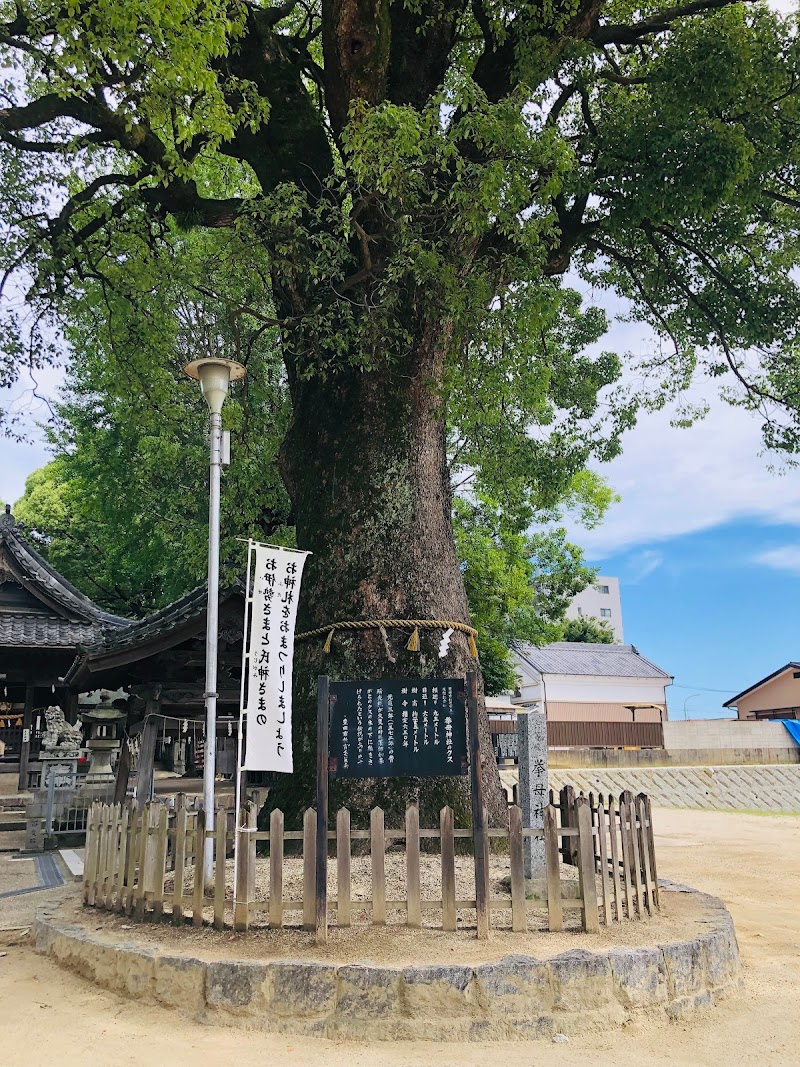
pixel 395 872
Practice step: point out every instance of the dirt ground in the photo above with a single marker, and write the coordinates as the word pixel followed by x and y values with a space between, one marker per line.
pixel 48 1015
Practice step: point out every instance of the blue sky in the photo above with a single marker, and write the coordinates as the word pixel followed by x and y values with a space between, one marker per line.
pixel 702 606
pixel 706 543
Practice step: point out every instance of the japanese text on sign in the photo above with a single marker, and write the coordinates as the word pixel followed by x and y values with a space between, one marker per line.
pixel 268 709
pixel 413 727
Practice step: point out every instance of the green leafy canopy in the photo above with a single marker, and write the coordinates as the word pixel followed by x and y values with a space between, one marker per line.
pixel 397 189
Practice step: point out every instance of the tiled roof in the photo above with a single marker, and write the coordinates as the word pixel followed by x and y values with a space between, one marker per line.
pixel 189 607
pixel 37 574
pixel 34 631
pixel 577 657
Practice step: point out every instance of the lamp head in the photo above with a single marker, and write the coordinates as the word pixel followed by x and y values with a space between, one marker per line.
pixel 215 375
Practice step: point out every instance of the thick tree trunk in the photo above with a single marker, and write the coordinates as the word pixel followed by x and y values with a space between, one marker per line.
pixel 365 464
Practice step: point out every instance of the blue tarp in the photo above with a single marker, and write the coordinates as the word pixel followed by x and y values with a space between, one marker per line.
pixel 793 726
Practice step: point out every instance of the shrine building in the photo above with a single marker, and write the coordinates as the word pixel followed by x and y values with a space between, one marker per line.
pixel 44 622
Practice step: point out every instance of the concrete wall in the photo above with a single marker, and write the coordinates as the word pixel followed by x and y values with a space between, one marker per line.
pixel 654 757
pixel 781 692
pixel 725 733
pixel 699 743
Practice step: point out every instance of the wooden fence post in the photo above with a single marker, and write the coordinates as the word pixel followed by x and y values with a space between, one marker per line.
pixel 309 868
pixel 343 879
pixel 181 823
pixel 321 894
pixel 569 844
pixel 605 874
pixel 241 911
pixel 519 917
pixel 160 862
pixel 92 841
pixel 651 842
pixel 220 855
pixel 595 839
pixel 145 851
pixel 114 818
pixel 644 851
pixel 200 845
pixel 134 828
pixel 627 856
pixel 586 867
pixel 633 850
pixel 555 912
pixel 97 898
pixel 446 827
pixel 108 856
pixel 252 823
pixel 377 845
pixel 107 889
pixel 614 857
pixel 480 833
pixel 414 910
pixel 122 856
pixel 276 868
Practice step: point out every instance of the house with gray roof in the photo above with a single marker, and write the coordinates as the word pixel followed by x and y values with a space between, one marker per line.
pixel 592 694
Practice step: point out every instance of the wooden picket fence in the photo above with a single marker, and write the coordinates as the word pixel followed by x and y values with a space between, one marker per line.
pixel 144 864
pixel 624 851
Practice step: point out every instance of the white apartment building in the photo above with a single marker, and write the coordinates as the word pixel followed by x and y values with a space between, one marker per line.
pixel 601 600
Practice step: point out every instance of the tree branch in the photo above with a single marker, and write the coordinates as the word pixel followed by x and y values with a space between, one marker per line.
pixel 658 23
pixel 180 196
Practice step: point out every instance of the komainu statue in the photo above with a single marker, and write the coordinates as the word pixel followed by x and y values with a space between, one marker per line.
pixel 60 738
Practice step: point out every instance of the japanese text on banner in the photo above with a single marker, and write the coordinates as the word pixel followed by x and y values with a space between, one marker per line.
pixel 276 589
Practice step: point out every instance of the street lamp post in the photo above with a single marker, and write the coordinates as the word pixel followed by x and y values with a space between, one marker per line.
pixel 215 376
pixel 686 701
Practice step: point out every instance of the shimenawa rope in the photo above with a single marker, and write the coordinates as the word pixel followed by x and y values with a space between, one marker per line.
pixel 402 624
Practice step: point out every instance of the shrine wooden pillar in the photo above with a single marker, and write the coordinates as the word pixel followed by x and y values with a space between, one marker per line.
pixel 123 771
pixel 147 752
pixel 69 702
pixel 27 728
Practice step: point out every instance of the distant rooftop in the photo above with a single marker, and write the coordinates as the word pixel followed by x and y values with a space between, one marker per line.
pixel 578 657
pixel 39 607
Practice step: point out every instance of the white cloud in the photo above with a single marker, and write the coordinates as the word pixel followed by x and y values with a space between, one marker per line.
pixel 677 481
pixel 640 564
pixel 785 558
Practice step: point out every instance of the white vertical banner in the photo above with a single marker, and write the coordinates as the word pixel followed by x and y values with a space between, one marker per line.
pixel 277 573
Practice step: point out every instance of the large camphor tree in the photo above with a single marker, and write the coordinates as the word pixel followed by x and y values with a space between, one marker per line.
pixel 412 179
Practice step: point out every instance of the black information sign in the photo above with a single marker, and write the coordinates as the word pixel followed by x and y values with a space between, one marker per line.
pixel 411 726
pixel 506 747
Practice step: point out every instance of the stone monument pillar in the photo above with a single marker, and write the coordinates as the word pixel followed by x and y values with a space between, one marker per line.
pixel 533 784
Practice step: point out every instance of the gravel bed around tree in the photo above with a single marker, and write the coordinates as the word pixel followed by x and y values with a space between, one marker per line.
pixel 395 873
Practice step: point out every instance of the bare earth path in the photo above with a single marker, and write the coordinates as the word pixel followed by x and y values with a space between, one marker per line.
pixel 51 1016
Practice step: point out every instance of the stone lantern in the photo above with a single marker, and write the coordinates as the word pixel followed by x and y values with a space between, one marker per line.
pixel 104 722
